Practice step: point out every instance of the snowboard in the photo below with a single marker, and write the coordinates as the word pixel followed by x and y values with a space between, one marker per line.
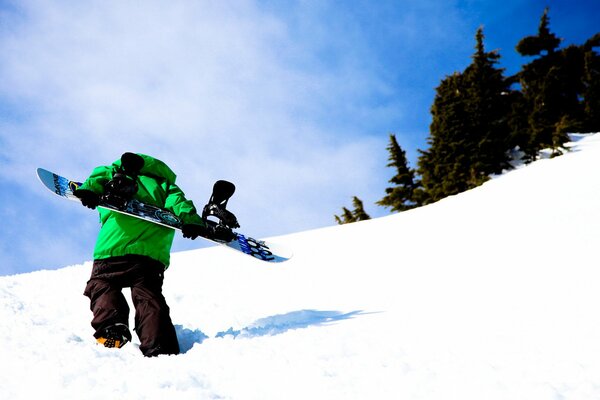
pixel 222 190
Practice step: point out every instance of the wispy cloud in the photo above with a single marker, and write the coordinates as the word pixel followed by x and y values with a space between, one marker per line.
pixel 293 101
pixel 215 89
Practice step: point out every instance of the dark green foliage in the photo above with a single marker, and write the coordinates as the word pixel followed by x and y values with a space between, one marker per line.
pixel 479 117
pixel 518 126
pixel 441 166
pixel 488 105
pixel 400 196
pixel 560 136
pixel 359 211
pixel 591 85
pixel 543 41
pixel 469 134
pixel 345 218
pixel 553 86
pixel 358 214
pixel 592 42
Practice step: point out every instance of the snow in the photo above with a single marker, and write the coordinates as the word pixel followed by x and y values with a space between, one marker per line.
pixel 490 294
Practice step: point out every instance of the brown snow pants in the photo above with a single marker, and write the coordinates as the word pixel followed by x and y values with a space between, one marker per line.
pixel 145 278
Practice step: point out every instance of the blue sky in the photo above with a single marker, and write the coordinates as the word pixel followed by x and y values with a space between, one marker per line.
pixel 291 100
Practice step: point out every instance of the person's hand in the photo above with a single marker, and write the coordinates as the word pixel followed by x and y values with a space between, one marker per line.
pixel 88 198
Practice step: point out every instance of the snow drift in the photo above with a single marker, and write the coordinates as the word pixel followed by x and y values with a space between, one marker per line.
pixel 490 294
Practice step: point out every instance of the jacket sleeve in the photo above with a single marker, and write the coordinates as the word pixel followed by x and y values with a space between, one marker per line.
pixel 182 207
pixel 96 181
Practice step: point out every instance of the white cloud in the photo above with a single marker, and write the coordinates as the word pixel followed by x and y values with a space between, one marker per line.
pixel 215 89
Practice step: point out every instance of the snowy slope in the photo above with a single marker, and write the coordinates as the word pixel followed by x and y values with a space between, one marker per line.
pixel 491 294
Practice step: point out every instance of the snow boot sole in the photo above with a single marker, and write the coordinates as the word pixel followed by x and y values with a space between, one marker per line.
pixel 116 335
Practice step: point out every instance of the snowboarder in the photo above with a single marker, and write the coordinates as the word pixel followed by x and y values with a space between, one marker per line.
pixel 133 253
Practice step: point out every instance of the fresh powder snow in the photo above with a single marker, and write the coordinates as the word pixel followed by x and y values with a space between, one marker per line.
pixel 490 294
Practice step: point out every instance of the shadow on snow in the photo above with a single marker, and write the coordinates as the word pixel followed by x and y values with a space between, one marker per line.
pixel 268 326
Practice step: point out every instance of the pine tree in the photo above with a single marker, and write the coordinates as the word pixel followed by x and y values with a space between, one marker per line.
pixel 358 214
pixel 488 108
pixel 359 211
pixel 400 196
pixel 552 86
pixel 469 134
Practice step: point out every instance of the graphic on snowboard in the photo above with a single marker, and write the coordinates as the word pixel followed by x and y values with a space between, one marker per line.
pixel 222 191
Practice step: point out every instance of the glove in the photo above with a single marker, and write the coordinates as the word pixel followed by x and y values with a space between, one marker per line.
pixel 88 198
pixel 192 231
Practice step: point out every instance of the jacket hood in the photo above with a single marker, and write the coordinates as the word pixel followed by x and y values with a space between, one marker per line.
pixel 154 167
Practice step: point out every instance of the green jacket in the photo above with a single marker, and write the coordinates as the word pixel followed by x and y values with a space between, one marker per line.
pixel 122 234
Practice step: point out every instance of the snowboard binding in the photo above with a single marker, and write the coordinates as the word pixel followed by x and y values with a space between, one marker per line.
pixel 216 207
pixel 123 186
pixel 119 190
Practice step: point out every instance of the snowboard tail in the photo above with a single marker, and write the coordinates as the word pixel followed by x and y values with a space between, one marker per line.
pixel 222 191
